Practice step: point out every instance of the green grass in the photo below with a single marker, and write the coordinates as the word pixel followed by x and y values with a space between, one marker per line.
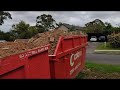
pixel 103 67
pixel 99 71
pixel 108 52
pixel 107 47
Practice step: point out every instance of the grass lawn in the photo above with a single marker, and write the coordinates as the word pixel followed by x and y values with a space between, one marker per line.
pixel 100 71
pixel 108 47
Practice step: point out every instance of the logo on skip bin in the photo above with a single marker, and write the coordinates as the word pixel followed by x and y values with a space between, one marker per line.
pixel 74 57
pixel 71 60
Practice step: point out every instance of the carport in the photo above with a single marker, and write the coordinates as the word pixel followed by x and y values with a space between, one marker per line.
pixel 97 35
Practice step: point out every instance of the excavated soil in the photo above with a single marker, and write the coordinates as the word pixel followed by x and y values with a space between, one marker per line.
pixel 41 39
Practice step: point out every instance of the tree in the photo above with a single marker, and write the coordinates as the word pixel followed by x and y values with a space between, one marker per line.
pixel 21 30
pixel 116 30
pixel 6 36
pixel 33 30
pixel 9 36
pixel 108 28
pixel 59 24
pixel 72 28
pixel 4 16
pixel 96 26
pixel 45 22
pixel 2 35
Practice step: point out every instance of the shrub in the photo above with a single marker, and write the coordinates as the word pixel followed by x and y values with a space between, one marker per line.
pixel 114 40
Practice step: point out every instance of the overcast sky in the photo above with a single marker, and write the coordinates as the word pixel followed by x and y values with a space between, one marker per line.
pixel 71 17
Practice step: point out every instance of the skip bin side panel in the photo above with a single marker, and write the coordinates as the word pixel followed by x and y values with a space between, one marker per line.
pixel 12 67
pixel 38 66
pixel 18 73
pixel 71 62
pixel 83 56
pixel 52 69
pixel 68 44
pixel 59 46
pixel 77 41
pixel 20 67
pixel 60 69
pixel 74 63
pixel 59 49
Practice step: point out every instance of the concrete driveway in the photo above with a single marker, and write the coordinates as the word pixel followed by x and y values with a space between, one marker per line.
pixel 91 46
pixel 100 58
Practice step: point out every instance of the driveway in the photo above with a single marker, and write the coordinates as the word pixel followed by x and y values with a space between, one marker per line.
pixel 91 46
pixel 100 58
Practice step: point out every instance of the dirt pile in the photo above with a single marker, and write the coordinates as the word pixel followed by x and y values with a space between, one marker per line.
pixel 10 48
pixel 41 39
pixel 50 37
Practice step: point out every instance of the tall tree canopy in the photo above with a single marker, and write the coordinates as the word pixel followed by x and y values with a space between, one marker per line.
pixel 108 28
pixel 45 22
pixel 3 16
pixel 96 26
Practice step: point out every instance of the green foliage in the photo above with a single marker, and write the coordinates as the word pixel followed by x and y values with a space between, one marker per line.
pixel 20 30
pixel 59 24
pixel 107 48
pixel 114 40
pixel 116 30
pixel 72 28
pixel 45 22
pixel 103 47
pixel 33 31
pixel 8 36
pixel 108 28
pixel 1 35
pixel 4 16
pixel 96 26
pixel 23 30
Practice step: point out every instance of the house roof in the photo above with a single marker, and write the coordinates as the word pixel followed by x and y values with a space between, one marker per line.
pixel 71 26
pixel 67 25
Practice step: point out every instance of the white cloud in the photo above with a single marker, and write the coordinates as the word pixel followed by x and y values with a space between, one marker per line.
pixel 70 17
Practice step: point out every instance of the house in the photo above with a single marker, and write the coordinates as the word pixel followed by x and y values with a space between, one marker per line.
pixel 67 27
pixel 63 27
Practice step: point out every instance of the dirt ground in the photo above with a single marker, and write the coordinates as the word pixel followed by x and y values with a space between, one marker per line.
pixel 88 73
